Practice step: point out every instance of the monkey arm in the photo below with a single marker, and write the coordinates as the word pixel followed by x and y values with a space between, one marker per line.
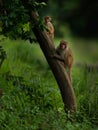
pixel 50 28
pixel 58 57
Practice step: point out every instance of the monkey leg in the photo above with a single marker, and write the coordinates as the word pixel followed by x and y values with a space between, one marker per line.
pixel 52 39
pixel 69 71
pixel 70 74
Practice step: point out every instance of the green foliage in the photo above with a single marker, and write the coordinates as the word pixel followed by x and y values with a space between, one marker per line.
pixel 15 20
pixel 86 93
pixel 35 6
pixel 30 104
pixel 2 55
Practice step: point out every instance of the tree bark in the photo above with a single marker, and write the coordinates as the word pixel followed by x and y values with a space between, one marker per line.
pixel 58 70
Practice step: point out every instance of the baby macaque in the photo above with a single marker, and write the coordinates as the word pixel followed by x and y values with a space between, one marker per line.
pixel 64 54
pixel 50 28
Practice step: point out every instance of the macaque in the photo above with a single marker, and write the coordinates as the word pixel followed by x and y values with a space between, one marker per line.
pixel 64 54
pixel 50 28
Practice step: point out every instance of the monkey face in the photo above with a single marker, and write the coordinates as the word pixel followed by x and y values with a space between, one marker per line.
pixel 63 45
pixel 47 18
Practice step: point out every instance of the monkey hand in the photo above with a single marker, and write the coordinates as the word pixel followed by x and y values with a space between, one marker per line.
pixel 56 56
pixel 52 56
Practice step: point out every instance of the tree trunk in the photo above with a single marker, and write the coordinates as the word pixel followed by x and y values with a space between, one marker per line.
pixel 58 70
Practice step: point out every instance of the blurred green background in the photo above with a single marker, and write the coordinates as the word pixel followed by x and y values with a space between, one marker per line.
pixel 75 21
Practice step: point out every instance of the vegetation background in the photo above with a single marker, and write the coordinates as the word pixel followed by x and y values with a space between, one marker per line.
pixel 31 99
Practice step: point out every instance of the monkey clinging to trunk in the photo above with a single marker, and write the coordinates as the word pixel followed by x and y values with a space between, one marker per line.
pixel 50 28
pixel 64 54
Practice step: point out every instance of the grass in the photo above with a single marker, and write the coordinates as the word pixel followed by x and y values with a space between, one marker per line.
pixel 31 98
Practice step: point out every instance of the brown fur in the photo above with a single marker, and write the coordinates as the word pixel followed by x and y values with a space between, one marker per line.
pixel 65 56
pixel 50 28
